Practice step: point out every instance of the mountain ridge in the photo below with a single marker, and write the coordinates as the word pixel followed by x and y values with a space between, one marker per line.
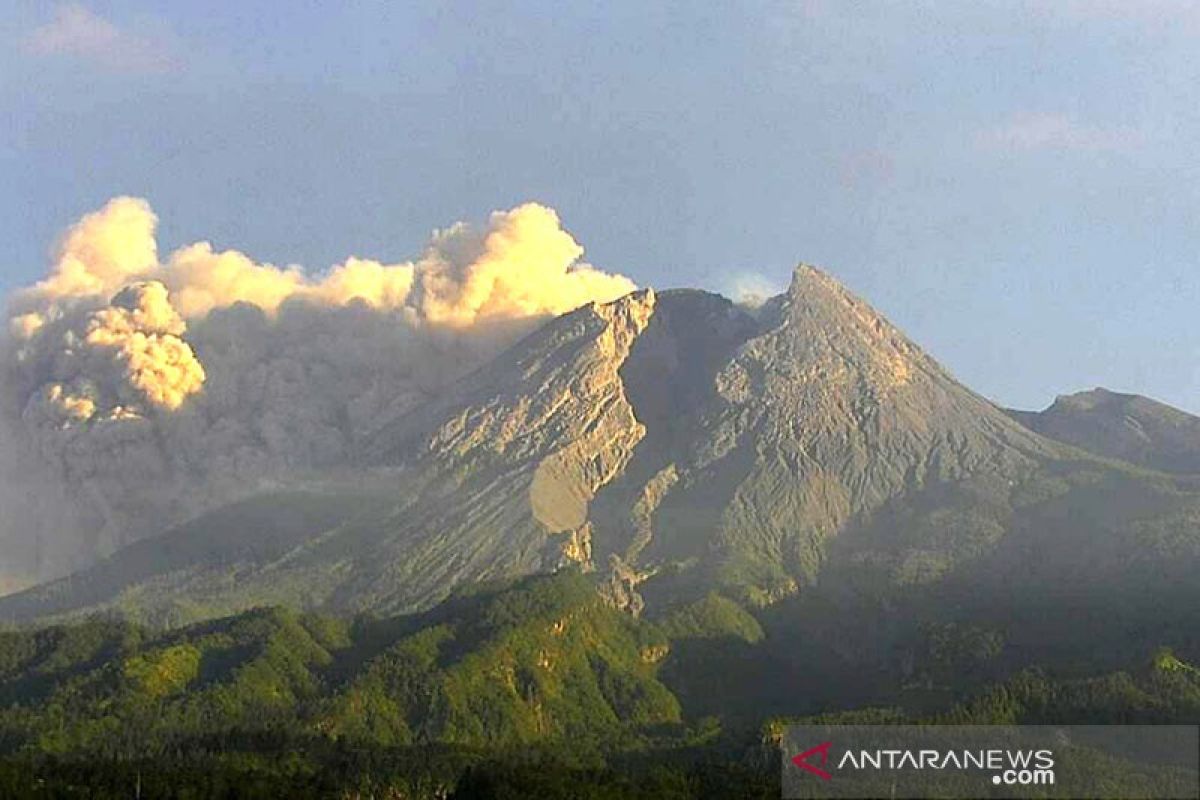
pixel 671 444
pixel 1128 427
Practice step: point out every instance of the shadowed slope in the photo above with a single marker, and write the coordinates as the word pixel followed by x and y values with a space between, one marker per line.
pixel 1125 426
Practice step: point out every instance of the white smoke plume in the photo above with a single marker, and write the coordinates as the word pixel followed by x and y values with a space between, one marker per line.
pixel 145 389
pixel 752 289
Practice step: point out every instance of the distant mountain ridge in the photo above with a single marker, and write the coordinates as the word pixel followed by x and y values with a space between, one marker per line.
pixel 672 444
pixel 1125 426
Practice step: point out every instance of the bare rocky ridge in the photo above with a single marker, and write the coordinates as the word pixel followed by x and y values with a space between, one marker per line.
pixel 821 415
pixel 508 464
pixel 1125 426
pixel 674 443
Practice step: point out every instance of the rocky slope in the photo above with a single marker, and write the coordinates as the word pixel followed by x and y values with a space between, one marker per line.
pixel 814 420
pixel 672 444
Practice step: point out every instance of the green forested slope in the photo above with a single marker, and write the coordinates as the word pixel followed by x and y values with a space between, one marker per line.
pixel 543 660
pixel 533 687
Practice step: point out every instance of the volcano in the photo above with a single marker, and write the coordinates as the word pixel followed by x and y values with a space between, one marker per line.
pixel 672 444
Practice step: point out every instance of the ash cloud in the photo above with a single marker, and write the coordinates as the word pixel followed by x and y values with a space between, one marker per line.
pixel 138 390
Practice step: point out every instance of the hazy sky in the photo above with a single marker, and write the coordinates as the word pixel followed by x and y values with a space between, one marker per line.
pixel 1015 183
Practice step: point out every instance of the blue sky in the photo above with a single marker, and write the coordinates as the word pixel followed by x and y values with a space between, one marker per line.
pixel 1014 182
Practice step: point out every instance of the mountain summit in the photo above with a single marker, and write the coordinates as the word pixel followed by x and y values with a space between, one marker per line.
pixel 671 444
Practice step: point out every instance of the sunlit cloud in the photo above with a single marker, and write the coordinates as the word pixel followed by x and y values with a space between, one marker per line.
pixel 78 33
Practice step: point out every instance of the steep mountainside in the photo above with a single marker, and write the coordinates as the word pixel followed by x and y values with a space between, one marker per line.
pixel 540 659
pixel 813 422
pixel 488 482
pixel 1125 426
pixel 673 444
pixel 545 659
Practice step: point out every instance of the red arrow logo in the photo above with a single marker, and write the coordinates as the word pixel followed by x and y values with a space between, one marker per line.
pixel 801 760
